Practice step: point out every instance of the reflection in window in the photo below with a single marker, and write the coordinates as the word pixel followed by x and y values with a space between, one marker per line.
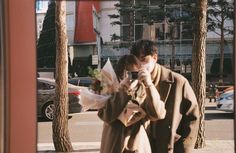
pixel 139 16
pixel 173 13
pixel 125 18
pixel 138 31
pixel 148 12
pixel 155 2
pixel 130 2
pixel 187 31
pixel 125 32
pixel 141 2
pixel 44 86
pixel 161 61
pixel 173 31
pixel 177 62
pixel 160 31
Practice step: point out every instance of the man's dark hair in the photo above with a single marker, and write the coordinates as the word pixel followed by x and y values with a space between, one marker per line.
pixel 143 47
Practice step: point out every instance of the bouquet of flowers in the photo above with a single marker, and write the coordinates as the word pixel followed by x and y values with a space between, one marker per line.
pixel 103 85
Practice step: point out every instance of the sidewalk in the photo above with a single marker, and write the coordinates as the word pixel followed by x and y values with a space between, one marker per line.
pixel 217 146
pixel 212 146
pixel 215 142
pixel 84 147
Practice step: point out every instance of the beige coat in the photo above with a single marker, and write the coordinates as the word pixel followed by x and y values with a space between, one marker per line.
pixel 178 131
pixel 116 137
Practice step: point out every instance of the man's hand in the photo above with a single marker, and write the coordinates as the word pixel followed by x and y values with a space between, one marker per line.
pixel 145 76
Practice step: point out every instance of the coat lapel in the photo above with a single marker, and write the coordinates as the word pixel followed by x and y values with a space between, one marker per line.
pixel 164 90
pixel 164 83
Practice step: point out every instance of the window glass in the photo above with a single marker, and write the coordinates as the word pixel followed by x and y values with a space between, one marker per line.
pixel 138 32
pixel 125 2
pixel 187 32
pixel 142 2
pixel 160 31
pixel 125 18
pixel 125 32
pixel 156 2
pixel 140 16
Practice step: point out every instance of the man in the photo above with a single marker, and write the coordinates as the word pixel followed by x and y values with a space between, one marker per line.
pixel 129 110
pixel 177 132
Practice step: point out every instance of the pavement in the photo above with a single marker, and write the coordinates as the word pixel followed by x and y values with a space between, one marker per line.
pixel 213 145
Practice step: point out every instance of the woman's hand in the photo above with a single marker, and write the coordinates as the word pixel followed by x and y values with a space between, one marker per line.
pixel 128 85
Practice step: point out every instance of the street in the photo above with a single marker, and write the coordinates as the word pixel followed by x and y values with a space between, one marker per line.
pixel 83 127
pixel 86 128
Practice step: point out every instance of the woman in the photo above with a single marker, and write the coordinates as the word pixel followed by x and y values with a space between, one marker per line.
pixel 117 136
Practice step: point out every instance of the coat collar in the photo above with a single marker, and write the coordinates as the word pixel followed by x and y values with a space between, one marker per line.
pixel 163 81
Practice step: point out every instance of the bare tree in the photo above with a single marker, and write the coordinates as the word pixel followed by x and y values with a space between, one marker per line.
pixel 61 137
pixel 199 67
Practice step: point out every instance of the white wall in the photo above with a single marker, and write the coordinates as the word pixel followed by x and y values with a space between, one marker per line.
pixel 41 6
pixel 39 20
pixel 70 20
pixel 108 8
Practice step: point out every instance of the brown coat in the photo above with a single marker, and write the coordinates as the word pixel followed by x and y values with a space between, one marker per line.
pixel 176 133
pixel 115 134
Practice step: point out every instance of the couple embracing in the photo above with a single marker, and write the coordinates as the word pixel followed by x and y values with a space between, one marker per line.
pixel 155 109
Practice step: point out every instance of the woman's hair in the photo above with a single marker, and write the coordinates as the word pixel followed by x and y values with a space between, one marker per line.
pixel 124 63
pixel 143 47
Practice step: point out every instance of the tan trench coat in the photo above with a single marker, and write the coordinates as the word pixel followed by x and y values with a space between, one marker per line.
pixel 178 131
pixel 116 137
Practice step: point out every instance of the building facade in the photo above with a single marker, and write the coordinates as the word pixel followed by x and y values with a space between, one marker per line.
pixel 145 24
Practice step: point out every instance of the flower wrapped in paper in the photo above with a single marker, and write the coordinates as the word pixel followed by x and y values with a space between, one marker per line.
pixel 105 83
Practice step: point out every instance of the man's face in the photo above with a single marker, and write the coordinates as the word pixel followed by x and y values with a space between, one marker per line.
pixel 148 61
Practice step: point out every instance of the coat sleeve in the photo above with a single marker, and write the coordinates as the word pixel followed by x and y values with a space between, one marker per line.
pixel 114 106
pixel 153 106
pixel 190 119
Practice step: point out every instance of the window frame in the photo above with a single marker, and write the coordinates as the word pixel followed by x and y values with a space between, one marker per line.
pixel 2 82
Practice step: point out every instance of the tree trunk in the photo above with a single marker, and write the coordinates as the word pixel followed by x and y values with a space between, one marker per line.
pixel 61 137
pixel 198 67
pixel 222 49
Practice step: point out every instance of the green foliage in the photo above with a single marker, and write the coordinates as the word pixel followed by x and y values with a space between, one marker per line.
pixel 46 45
pixel 115 37
pixel 114 16
pixel 115 23
pixel 218 13
pixel 167 11
pixel 96 85
pixel 94 73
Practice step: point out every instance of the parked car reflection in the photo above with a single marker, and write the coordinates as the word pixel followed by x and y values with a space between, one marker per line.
pixel 81 81
pixel 46 97
pixel 225 101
